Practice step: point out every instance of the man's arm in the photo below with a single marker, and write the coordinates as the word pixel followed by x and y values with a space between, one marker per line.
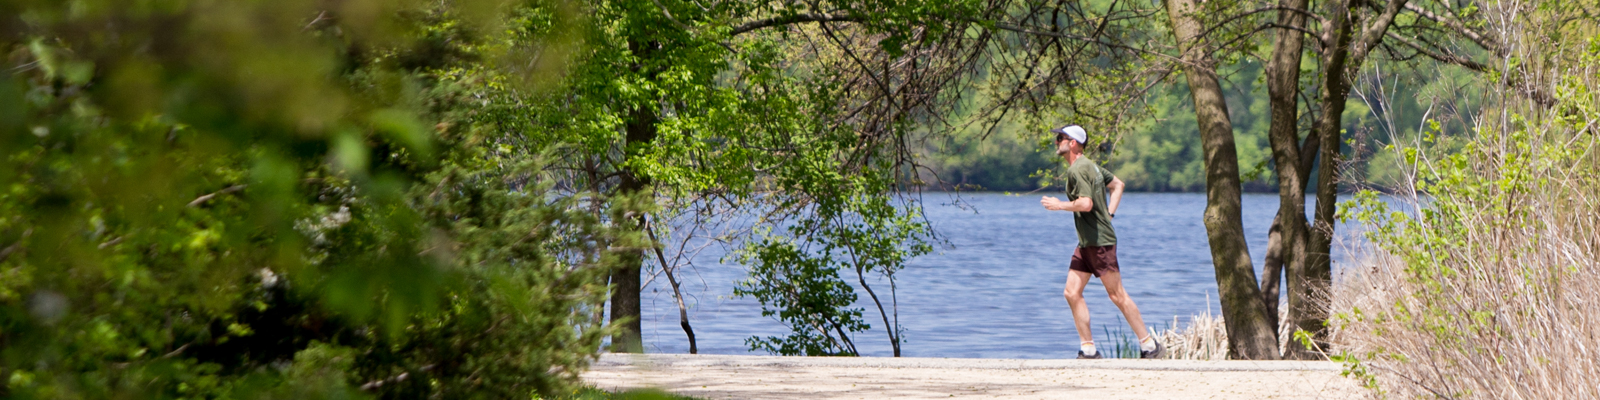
pixel 1116 195
pixel 1081 204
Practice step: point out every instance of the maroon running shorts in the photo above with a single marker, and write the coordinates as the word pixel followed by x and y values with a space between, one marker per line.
pixel 1095 260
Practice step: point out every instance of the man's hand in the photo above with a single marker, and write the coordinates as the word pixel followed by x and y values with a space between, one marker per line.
pixel 1116 187
pixel 1081 204
pixel 1050 203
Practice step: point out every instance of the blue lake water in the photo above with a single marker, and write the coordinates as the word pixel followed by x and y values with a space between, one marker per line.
pixel 995 290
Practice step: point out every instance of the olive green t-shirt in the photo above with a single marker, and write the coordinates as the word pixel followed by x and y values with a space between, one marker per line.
pixel 1087 179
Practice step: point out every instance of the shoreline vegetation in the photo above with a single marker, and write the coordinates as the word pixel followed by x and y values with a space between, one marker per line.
pixel 1481 288
pixel 1487 290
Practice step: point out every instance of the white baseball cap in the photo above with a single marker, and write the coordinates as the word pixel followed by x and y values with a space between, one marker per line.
pixel 1073 131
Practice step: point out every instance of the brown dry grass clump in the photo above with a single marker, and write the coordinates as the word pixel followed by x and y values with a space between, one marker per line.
pixel 1206 337
pixel 1486 285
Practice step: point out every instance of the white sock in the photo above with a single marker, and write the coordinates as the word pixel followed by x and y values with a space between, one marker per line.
pixel 1148 344
pixel 1087 348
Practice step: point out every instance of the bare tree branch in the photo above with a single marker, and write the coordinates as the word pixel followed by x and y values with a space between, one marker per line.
pixel 1308 32
pixel 1447 58
pixel 794 19
pixel 1320 19
pixel 1371 34
pixel 202 199
pixel 1487 43
pixel 1035 31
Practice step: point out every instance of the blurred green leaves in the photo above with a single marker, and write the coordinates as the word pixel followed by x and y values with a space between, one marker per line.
pixel 282 199
pixel 320 199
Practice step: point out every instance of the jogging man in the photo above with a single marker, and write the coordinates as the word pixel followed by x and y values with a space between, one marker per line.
pixel 1097 242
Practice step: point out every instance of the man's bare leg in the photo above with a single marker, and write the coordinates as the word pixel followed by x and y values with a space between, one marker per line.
pixel 1076 280
pixel 1113 284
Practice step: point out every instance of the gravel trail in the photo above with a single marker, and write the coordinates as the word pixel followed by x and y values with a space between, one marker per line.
pixel 768 377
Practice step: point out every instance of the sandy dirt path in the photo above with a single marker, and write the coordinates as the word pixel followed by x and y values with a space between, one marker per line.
pixel 765 377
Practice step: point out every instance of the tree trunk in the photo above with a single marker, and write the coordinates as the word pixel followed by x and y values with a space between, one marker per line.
pixel 1314 279
pixel 1272 267
pixel 677 292
pixel 1250 335
pixel 1287 241
pixel 1342 60
pixel 641 130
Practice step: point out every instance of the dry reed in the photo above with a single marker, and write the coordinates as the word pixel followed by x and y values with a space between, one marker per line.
pixel 1206 337
pixel 1487 288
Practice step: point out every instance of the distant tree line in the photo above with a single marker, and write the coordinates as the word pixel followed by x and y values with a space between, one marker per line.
pixel 1161 151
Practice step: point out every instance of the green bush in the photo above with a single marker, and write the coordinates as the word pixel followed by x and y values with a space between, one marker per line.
pixel 1482 286
pixel 289 199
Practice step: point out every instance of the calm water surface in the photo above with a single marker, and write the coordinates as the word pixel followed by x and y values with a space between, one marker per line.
pixel 995 291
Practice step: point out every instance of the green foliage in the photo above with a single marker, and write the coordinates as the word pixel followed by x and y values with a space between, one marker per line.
pixel 797 278
pixel 713 125
pixel 1006 159
pixel 282 200
pixel 1496 214
pixel 359 198
pixel 804 291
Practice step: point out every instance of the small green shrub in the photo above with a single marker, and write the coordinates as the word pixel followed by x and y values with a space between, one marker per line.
pixel 1480 285
pixel 225 200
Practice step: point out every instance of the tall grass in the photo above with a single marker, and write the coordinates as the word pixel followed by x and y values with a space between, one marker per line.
pixel 1122 342
pixel 1490 288
pixel 1206 337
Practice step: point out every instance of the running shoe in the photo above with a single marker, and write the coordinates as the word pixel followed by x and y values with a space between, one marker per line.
pixel 1153 353
pixel 1082 356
